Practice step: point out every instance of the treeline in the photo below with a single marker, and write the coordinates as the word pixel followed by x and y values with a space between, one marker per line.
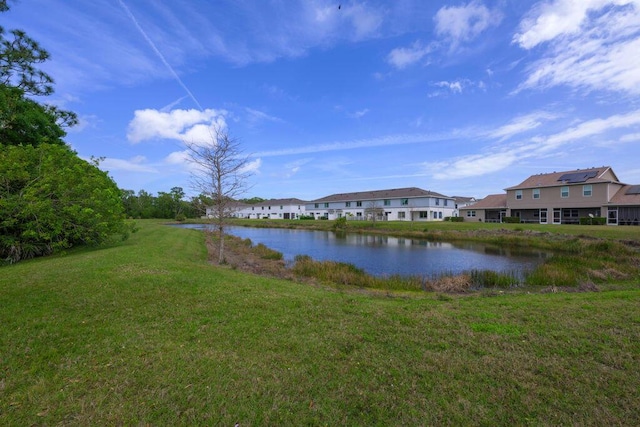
pixel 169 205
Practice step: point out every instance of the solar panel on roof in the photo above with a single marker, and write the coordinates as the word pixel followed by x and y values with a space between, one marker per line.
pixel 634 189
pixel 575 177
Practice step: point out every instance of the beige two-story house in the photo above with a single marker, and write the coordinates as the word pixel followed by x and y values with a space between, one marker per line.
pixel 565 197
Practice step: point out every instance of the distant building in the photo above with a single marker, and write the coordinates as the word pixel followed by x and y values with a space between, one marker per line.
pixel 490 209
pixel 564 198
pixel 462 202
pixel 401 204
pixel 272 209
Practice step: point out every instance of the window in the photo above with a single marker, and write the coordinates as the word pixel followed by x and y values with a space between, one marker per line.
pixel 518 194
pixel 316 205
pixel 437 202
pixel 401 215
pixel 587 190
pixel 536 193
pixel 253 208
pixel 326 205
pixel 471 213
pixel 424 214
pixel 281 207
pixel 434 215
pixel 262 207
pixel 387 202
pixel 439 215
pixel 359 204
pixel 404 202
pixel 446 202
pixel 564 192
pixel 347 204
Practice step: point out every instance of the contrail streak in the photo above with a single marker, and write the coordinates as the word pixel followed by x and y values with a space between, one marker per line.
pixel 160 55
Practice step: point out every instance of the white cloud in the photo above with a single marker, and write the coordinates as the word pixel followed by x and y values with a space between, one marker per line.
pixel 402 57
pixel 255 116
pixel 592 128
pixel 549 20
pixel 632 137
pixel 521 124
pixel 474 165
pixel 364 19
pixel 463 23
pixel 182 125
pixel 135 164
pixel 590 45
pixel 500 157
pixel 455 86
pixel 252 167
pixel 359 114
pixel 382 141
pixel 294 167
pixel 455 25
pixel 177 158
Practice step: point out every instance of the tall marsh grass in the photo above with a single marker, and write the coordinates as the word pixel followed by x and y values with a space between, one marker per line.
pixel 349 275
pixel 585 261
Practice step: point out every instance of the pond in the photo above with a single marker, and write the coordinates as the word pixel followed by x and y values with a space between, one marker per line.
pixel 385 255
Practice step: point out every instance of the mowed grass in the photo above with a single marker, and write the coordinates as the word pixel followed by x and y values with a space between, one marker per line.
pixel 148 332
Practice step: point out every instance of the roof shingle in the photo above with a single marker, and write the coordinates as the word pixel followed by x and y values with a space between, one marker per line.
pixel 381 194
pixel 553 179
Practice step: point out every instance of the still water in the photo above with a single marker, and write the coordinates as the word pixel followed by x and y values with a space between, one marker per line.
pixel 385 255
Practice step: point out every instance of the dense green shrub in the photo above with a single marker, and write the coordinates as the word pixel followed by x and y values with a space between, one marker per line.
pixel 50 199
pixel 340 223
pixel 454 218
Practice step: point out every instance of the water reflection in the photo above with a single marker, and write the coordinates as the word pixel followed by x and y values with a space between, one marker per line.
pixel 386 255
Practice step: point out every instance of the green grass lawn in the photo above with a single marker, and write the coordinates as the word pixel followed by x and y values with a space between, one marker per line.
pixel 599 231
pixel 148 332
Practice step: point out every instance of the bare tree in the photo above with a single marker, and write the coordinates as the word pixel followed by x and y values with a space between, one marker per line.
pixel 222 172
pixel 373 210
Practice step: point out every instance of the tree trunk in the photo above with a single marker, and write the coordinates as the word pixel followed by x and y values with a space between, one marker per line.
pixel 221 245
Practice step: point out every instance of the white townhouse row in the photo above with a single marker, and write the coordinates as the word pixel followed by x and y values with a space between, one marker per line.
pixel 399 204
pixel 271 209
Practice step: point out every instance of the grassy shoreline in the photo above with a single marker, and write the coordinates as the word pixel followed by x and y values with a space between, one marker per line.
pixel 148 332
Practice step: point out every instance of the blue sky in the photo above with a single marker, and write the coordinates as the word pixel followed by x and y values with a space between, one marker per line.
pixel 462 98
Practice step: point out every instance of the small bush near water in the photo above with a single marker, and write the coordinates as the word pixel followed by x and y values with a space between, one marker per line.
pixel 266 253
